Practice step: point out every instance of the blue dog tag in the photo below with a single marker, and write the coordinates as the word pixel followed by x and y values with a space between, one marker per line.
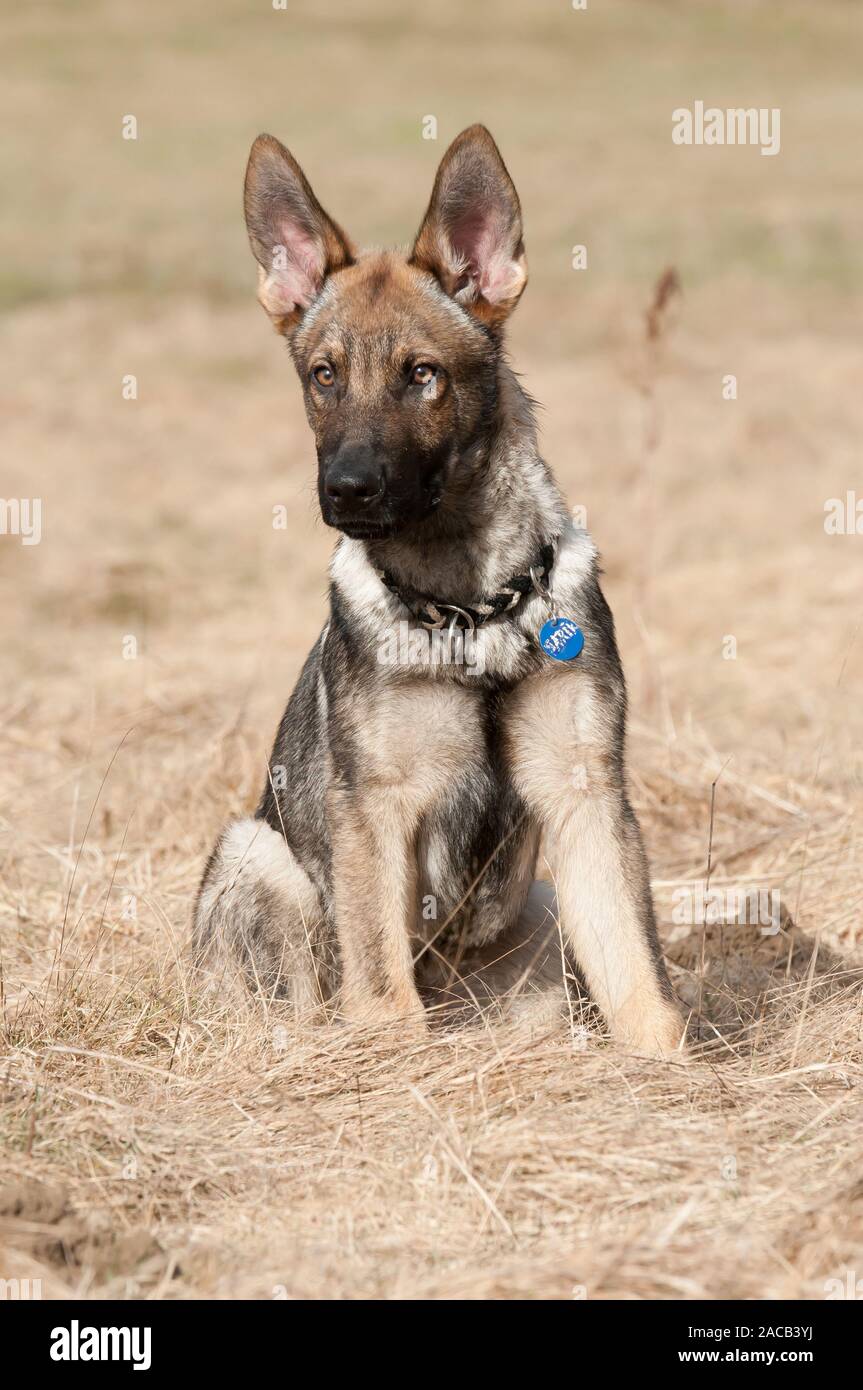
pixel 561 638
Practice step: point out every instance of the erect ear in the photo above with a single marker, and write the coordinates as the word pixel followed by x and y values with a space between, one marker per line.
pixel 294 242
pixel 470 238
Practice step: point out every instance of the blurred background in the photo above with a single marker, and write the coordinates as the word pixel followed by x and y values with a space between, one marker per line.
pixel 163 619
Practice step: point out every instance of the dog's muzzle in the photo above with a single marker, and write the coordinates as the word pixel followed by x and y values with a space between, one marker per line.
pixel 353 488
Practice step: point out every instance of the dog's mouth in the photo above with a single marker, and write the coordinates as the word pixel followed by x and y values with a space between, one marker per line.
pixel 367 530
pixel 384 525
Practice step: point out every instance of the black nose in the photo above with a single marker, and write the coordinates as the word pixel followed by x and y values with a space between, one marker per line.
pixel 354 480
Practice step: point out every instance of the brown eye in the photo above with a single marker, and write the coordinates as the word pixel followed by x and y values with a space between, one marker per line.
pixel 324 374
pixel 422 374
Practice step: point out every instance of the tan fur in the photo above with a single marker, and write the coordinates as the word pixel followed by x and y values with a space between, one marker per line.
pixel 561 757
pixel 369 318
pixel 374 839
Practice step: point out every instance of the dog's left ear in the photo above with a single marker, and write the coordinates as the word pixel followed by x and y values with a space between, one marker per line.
pixel 470 238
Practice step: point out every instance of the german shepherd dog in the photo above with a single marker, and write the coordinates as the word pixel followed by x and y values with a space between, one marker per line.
pixel 465 699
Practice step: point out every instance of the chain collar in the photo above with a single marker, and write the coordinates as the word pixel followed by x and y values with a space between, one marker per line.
pixel 432 613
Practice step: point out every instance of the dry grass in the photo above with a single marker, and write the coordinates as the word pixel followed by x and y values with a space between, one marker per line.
pixel 211 1150
pixel 157 1142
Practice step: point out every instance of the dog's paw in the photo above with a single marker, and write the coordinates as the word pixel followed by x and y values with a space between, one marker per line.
pixel 658 1032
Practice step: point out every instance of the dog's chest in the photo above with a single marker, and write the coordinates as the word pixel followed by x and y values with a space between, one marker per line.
pixel 478 659
pixel 476 845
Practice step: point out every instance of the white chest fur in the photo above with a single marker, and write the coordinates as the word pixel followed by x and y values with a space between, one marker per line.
pixel 495 650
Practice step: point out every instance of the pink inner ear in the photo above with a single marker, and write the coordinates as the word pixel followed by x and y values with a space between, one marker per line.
pixel 480 238
pixel 298 270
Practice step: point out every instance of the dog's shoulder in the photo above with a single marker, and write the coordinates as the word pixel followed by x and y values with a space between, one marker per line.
pixel 576 564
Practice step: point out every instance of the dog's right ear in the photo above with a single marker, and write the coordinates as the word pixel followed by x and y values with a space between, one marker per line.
pixel 294 242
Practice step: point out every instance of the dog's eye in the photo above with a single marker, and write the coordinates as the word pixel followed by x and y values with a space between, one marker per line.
pixel 422 374
pixel 324 374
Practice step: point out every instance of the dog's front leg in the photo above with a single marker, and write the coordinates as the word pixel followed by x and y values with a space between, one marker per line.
pixel 375 886
pixel 566 746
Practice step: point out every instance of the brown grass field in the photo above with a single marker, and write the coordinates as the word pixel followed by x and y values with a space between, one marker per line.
pixel 158 1142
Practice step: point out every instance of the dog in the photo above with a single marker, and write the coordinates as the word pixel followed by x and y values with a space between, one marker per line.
pixel 392 857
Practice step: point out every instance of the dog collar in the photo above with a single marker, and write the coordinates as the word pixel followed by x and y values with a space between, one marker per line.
pixel 433 612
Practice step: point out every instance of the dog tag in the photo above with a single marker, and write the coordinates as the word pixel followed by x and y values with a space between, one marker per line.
pixel 561 638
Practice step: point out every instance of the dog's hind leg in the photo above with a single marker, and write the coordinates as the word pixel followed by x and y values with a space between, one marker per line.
pixel 257 905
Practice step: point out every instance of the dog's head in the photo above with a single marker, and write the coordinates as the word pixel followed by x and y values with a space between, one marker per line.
pixel 397 353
